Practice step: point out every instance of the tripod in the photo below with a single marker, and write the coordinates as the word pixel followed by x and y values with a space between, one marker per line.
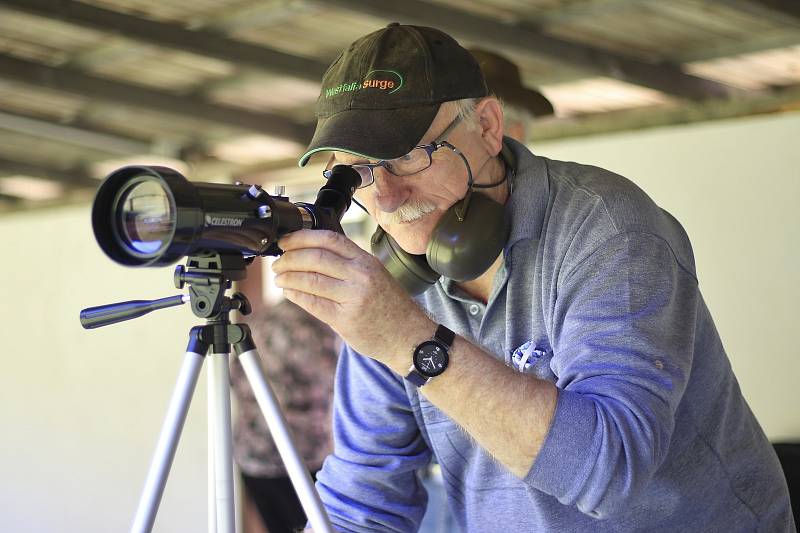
pixel 209 276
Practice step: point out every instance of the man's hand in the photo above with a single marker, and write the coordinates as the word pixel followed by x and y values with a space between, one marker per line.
pixel 329 276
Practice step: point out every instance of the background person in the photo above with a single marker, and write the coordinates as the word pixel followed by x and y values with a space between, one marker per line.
pixel 298 353
pixel 521 105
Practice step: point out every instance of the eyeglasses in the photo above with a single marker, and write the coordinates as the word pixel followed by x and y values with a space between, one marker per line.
pixel 417 160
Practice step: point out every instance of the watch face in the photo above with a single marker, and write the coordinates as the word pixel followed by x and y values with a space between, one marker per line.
pixel 430 358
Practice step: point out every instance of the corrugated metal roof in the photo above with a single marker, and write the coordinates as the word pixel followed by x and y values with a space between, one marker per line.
pixel 187 79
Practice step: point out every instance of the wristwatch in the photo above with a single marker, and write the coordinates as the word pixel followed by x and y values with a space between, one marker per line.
pixel 431 357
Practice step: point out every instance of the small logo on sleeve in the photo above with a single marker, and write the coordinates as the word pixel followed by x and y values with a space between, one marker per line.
pixel 524 357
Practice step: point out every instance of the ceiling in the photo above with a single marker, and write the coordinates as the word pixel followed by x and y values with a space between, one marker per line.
pixel 225 89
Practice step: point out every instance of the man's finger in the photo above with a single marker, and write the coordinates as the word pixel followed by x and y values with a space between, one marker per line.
pixel 320 308
pixel 330 240
pixel 312 260
pixel 314 284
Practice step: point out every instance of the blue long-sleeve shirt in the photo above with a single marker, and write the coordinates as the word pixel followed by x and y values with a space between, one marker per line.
pixel 598 294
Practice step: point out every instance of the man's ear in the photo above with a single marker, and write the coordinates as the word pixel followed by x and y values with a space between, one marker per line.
pixel 489 117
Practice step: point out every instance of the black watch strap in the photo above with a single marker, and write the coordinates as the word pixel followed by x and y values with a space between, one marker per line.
pixel 416 378
pixel 444 335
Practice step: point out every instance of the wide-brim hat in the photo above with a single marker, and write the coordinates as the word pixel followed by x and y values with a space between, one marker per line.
pixel 380 96
pixel 504 80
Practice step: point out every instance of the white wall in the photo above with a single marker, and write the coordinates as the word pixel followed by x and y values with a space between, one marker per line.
pixel 735 187
pixel 81 410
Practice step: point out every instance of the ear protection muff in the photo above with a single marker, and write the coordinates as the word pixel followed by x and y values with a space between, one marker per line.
pixel 462 247
pixel 411 271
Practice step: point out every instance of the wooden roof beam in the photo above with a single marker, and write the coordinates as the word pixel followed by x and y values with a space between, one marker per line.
pixel 788 11
pixel 76 81
pixel 10 199
pixel 200 42
pixel 73 134
pixel 77 177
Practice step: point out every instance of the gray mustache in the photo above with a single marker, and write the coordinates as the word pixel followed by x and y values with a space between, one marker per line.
pixel 408 212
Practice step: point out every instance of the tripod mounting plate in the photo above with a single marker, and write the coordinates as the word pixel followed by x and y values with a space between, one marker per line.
pixel 209 274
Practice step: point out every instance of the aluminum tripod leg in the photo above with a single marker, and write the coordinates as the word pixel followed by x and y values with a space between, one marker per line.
pixel 167 443
pixel 298 473
pixel 221 504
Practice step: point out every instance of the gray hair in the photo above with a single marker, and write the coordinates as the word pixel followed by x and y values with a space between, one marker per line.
pixel 512 114
pixel 466 110
pixel 516 115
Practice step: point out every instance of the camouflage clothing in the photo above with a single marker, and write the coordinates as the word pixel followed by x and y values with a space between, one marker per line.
pixel 298 354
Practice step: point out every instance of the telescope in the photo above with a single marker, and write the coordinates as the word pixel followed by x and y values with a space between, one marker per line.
pixel 154 216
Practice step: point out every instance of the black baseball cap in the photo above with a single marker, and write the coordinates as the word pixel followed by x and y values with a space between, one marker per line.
pixel 380 96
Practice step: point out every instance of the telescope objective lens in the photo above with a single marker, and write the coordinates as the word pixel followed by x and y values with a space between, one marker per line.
pixel 145 216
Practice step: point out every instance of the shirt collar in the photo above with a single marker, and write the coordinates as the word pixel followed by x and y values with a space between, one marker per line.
pixel 527 203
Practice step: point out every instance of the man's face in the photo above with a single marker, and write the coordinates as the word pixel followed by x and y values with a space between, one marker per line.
pixel 409 207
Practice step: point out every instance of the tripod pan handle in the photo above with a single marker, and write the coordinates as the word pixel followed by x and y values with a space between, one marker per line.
pixel 96 317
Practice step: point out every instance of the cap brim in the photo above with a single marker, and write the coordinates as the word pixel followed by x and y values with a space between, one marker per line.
pixel 372 133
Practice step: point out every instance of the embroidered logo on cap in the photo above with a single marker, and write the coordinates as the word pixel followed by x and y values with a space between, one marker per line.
pixel 385 80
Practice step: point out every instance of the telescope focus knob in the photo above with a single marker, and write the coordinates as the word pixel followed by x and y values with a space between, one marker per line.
pixel 255 192
pixel 180 270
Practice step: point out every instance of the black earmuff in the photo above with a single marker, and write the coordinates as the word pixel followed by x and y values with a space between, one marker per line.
pixel 411 271
pixel 464 249
pixel 461 247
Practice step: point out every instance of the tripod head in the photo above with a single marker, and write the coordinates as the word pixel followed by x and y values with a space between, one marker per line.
pixel 208 274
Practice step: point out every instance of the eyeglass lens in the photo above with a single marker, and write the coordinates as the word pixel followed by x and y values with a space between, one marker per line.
pixel 365 173
pixel 411 163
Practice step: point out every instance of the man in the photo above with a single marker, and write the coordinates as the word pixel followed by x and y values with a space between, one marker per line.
pixel 570 379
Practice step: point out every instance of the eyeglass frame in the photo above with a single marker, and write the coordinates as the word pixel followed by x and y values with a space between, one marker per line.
pixel 430 148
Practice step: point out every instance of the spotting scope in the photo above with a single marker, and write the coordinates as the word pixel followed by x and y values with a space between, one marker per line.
pixel 154 216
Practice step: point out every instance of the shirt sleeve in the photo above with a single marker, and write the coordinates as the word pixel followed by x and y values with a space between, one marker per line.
pixel 623 336
pixel 370 482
